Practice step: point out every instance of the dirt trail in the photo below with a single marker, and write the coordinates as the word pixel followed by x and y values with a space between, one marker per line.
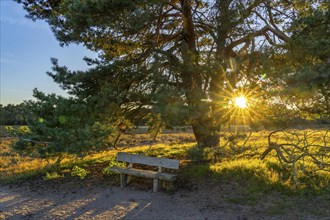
pixel 75 200
pixel 111 203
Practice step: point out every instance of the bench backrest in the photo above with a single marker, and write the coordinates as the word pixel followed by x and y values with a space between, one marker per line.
pixel 150 161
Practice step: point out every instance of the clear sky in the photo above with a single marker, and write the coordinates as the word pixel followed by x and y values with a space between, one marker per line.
pixel 26 48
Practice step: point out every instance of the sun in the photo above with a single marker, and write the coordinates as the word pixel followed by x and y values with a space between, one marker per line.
pixel 240 102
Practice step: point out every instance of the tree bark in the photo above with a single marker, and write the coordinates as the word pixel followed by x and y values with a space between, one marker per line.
pixel 206 134
pixel 202 121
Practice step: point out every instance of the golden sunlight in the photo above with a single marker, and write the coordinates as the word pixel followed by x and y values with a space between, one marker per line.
pixel 241 102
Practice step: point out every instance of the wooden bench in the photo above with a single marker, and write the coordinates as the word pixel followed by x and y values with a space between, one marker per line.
pixel 126 172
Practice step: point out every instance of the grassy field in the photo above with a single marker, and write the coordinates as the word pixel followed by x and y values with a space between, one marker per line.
pixel 236 161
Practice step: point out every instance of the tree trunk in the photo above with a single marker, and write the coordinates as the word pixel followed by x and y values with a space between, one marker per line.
pixel 206 134
pixel 205 131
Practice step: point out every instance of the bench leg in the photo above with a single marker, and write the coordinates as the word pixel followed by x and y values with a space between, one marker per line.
pixel 155 187
pixel 163 184
pixel 128 179
pixel 123 180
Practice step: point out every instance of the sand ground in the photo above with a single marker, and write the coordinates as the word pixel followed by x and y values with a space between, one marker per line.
pixel 40 199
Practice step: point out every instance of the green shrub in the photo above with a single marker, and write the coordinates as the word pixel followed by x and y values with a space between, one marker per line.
pixel 113 163
pixel 195 153
pixel 78 171
pixel 52 175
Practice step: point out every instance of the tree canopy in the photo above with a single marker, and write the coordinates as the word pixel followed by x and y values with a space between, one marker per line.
pixel 181 61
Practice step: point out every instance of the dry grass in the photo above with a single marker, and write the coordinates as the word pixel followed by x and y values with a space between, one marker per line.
pixel 232 161
pixel 15 166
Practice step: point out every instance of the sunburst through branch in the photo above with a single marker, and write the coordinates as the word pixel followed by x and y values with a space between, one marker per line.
pixel 241 102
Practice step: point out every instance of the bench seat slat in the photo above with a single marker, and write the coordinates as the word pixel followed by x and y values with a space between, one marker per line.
pixel 144 173
pixel 151 161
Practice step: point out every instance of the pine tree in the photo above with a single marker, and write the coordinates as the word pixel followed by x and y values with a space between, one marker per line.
pixel 310 55
pixel 181 59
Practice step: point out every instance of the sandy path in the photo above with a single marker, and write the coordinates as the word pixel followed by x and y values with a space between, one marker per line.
pixel 74 200
pixel 112 203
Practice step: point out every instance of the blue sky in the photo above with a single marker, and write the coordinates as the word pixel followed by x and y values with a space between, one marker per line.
pixel 26 48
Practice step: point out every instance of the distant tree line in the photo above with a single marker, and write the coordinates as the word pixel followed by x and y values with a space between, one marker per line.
pixel 14 114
